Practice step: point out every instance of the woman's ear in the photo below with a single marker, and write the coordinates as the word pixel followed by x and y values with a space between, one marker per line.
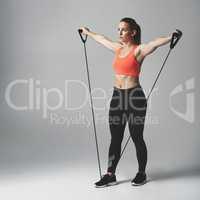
pixel 133 33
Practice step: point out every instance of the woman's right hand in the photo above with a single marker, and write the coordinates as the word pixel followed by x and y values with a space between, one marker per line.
pixel 84 30
pixel 177 33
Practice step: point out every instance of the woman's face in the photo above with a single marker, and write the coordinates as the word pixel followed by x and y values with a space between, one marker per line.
pixel 125 34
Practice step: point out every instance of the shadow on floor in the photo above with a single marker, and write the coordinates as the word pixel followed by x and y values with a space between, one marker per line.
pixel 171 174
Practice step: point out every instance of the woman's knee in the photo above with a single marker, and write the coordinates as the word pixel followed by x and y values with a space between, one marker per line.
pixel 138 140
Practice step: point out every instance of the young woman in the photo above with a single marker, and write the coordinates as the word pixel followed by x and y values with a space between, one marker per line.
pixel 128 103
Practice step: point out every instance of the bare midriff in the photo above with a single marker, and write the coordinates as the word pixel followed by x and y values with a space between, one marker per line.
pixel 126 82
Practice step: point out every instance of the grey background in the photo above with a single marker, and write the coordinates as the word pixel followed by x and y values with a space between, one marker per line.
pixel 39 40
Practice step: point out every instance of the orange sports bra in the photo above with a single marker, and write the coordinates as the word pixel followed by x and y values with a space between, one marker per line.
pixel 127 65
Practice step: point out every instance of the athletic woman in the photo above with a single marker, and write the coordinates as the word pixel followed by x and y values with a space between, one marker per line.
pixel 128 103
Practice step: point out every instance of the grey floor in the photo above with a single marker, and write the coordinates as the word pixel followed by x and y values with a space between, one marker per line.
pixel 75 181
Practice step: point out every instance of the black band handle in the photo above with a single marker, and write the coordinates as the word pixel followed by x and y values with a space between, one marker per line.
pixel 80 33
pixel 175 38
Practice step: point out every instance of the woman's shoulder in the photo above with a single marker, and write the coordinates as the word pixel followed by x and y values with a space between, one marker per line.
pixel 118 46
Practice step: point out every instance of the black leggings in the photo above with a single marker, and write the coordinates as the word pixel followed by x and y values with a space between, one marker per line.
pixel 127 105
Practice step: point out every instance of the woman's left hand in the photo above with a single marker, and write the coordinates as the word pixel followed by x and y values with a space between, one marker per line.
pixel 85 30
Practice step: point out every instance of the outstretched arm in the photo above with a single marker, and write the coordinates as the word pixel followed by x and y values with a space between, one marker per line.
pixel 151 46
pixel 112 45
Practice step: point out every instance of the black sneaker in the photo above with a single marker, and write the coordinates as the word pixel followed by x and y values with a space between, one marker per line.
pixel 106 180
pixel 139 179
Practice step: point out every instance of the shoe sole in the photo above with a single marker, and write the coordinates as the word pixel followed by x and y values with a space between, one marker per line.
pixel 138 184
pixel 106 185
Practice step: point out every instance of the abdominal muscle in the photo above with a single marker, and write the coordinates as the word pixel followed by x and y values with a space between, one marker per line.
pixel 125 82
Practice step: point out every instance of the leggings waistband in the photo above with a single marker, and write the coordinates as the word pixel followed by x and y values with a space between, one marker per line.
pixel 133 91
pixel 128 89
